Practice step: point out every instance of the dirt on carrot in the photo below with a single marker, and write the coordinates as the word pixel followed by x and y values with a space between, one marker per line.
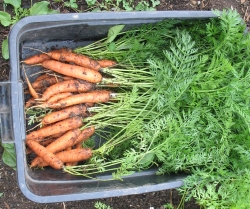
pixel 96 96
pixel 66 55
pixel 56 128
pixel 67 86
pixel 77 110
pixel 44 154
pixel 73 71
pixel 36 59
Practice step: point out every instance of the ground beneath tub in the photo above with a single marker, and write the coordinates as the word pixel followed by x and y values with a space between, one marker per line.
pixel 13 198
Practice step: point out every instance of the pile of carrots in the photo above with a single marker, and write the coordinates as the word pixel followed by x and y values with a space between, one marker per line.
pixel 68 90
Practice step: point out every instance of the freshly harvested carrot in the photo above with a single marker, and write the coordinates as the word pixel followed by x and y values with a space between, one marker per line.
pixel 67 86
pixel 36 59
pixel 47 141
pixel 46 82
pixel 58 97
pixel 44 142
pixel 107 63
pixel 56 128
pixel 65 141
pixel 31 89
pixel 67 163
pixel 73 71
pixel 71 156
pixel 68 139
pixel 72 111
pixel 42 77
pixel 47 156
pixel 96 96
pixel 66 55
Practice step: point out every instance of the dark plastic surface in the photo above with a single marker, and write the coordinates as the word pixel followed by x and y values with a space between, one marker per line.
pixel 71 30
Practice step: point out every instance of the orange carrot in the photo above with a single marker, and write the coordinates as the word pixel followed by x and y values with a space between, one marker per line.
pixel 96 96
pixel 58 97
pixel 56 128
pixel 107 63
pixel 47 141
pixel 67 86
pixel 73 71
pixel 67 163
pixel 77 146
pixel 31 89
pixel 66 55
pixel 66 140
pixel 65 113
pixel 71 156
pixel 46 82
pixel 47 156
pixel 36 59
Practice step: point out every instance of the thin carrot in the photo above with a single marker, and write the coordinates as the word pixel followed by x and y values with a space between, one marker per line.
pixel 42 77
pixel 58 97
pixel 46 82
pixel 66 140
pixel 73 71
pixel 71 156
pixel 67 163
pixel 65 113
pixel 96 96
pixel 56 128
pixel 66 55
pixel 67 86
pixel 31 89
pixel 107 63
pixel 36 59
pixel 47 141
pixel 47 156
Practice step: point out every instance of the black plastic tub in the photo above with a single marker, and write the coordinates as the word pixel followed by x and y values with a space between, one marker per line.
pixel 70 30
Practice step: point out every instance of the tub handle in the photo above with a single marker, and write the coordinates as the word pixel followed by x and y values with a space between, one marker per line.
pixel 6 131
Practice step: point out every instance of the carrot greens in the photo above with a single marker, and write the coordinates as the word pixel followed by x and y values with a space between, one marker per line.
pixel 181 104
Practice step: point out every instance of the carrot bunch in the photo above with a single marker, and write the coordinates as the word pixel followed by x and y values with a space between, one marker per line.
pixel 67 89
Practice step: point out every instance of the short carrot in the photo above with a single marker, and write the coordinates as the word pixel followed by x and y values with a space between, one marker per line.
pixel 96 96
pixel 58 97
pixel 72 111
pixel 47 156
pixel 56 128
pixel 71 156
pixel 31 89
pixel 66 55
pixel 42 77
pixel 67 86
pixel 73 71
pixel 107 63
pixel 36 59
pixel 46 82
pixel 66 140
